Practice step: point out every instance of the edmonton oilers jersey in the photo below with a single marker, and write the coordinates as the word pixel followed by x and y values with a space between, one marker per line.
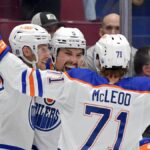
pixel 16 131
pixel 46 123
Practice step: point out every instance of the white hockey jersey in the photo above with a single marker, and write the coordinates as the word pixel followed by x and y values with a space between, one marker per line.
pixel 16 130
pixel 47 124
pixel 95 115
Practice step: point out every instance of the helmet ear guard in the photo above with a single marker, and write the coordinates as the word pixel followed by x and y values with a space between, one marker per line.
pixel 29 35
pixel 66 37
pixel 113 52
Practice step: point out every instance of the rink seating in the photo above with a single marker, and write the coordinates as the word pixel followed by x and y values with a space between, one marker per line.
pixel 89 29
pixel 6 25
pixel 72 10
pixel 10 9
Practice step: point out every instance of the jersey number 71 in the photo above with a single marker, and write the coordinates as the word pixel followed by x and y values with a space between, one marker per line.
pixel 105 114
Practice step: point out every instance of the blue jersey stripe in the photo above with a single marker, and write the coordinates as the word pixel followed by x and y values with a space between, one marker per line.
pixel 24 74
pixel 34 147
pixel 144 141
pixel 1 88
pixel 39 80
pixel 9 147
pixel 48 63
pixel 4 52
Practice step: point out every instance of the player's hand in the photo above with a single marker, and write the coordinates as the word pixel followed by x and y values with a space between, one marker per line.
pixel 4 48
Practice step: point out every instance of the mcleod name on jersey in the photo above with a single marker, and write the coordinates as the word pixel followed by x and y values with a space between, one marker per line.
pixel 111 96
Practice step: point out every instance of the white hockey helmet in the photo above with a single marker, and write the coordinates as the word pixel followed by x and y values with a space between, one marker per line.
pixel 66 37
pixel 113 51
pixel 28 35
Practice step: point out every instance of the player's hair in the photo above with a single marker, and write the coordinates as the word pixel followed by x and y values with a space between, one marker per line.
pixel 116 72
pixel 141 58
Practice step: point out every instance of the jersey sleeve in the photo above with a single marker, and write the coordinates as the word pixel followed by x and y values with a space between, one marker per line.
pixel 46 84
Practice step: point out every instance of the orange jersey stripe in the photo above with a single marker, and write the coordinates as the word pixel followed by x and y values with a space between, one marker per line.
pixel 2 46
pixel 145 147
pixel 31 83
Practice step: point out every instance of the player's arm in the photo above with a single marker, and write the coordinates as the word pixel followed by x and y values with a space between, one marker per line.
pixel 48 84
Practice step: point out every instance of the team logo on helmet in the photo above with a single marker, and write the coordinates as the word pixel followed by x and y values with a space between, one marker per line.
pixel 73 33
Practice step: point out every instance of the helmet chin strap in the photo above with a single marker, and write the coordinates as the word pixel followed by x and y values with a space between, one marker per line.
pixel 34 65
pixel 96 66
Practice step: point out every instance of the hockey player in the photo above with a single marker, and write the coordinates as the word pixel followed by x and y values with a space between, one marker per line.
pixel 97 112
pixel 17 111
pixel 16 132
pixel 68 49
pixel 31 43
pixel 65 55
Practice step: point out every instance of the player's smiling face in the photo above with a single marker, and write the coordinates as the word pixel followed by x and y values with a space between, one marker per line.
pixel 69 58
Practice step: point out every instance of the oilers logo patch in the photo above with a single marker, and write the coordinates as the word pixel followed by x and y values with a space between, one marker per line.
pixel 46 115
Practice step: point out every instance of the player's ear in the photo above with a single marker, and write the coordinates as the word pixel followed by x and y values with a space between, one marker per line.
pixel 146 70
pixel 26 51
pixel 101 32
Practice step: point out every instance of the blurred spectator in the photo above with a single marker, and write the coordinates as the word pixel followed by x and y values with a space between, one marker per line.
pixel 137 2
pixel 142 61
pixel 110 25
pixel 47 20
pixel 142 68
pixel 104 7
pixel 31 7
pixel 140 8
pixel 89 9
pixel 96 9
